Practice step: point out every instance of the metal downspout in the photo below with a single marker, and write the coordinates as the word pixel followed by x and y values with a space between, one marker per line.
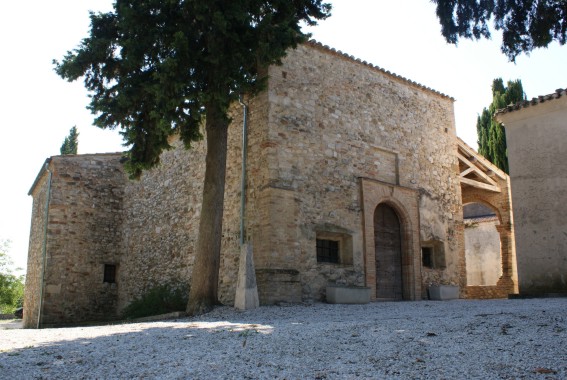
pixel 44 246
pixel 243 176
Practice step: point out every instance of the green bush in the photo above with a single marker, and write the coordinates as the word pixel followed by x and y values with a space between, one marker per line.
pixel 11 286
pixel 11 293
pixel 160 299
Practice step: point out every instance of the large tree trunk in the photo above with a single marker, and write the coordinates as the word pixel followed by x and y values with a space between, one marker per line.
pixel 204 280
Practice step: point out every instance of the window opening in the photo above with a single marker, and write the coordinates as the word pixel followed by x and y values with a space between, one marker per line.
pixel 109 273
pixel 427 257
pixel 327 251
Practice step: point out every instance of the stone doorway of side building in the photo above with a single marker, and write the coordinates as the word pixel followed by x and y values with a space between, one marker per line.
pixel 482 245
pixel 388 251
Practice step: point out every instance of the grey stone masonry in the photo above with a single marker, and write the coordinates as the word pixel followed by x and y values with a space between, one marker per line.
pixel 325 127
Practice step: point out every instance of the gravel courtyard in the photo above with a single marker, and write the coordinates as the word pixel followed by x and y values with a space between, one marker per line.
pixel 496 339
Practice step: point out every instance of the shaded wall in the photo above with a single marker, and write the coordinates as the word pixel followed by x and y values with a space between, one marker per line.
pixel 35 251
pixel 84 232
pixel 536 137
pixel 163 208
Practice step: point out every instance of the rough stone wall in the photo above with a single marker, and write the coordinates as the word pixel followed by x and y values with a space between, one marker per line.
pixel 34 267
pixel 161 214
pixel 83 234
pixel 162 211
pixel 333 120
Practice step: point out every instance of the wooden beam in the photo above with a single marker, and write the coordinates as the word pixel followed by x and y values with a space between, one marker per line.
pixel 489 165
pixel 477 170
pixel 480 185
pixel 467 171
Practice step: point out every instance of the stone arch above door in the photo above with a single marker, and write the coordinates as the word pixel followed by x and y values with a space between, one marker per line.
pixel 404 202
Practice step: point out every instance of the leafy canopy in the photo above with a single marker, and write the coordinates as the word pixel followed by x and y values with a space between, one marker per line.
pixel 491 134
pixel 71 143
pixel 525 24
pixel 153 66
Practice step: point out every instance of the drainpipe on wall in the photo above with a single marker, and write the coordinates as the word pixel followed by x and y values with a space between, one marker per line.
pixel 243 176
pixel 44 245
pixel 246 295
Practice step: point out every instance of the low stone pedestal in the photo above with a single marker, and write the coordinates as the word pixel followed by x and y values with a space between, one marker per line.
pixel 443 292
pixel 246 297
pixel 348 294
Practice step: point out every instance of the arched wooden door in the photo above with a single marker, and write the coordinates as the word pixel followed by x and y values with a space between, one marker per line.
pixel 388 248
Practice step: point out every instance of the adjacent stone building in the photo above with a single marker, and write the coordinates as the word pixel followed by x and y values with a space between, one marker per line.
pixel 353 177
pixel 536 136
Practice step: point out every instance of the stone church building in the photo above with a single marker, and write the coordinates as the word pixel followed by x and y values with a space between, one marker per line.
pixel 354 175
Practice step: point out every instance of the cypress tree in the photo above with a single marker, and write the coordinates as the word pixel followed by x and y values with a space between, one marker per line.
pixel 491 134
pixel 156 68
pixel 71 143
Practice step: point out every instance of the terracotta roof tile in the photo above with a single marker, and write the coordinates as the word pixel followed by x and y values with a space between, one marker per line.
pixel 534 101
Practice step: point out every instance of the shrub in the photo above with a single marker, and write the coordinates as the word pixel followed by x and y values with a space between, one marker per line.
pixel 160 299
pixel 11 285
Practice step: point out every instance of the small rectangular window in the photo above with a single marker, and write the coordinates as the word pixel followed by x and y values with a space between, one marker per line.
pixel 433 254
pixel 327 251
pixel 109 273
pixel 427 257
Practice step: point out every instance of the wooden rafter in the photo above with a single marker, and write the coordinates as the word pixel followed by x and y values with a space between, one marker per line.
pixel 475 164
pixel 480 159
pixel 466 172
pixel 481 185
pixel 476 170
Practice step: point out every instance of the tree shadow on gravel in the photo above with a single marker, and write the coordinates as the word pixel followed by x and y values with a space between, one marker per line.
pixel 422 340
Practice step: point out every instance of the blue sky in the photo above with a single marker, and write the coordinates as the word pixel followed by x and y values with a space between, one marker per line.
pixel 37 108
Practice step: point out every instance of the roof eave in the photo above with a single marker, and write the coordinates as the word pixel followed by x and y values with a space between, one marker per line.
pixel 42 171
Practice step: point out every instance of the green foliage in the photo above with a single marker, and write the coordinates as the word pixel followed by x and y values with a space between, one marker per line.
pixel 525 24
pixel 158 300
pixel 155 67
pixel 11 286
pixel 491 134
pixel 71 143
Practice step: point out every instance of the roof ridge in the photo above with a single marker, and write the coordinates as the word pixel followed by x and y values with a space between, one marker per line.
pixel 316 43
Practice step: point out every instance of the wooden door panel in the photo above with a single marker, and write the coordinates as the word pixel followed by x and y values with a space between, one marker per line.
pixel 387 234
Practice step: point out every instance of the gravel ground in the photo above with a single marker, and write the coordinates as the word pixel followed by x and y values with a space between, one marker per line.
pixel 496 339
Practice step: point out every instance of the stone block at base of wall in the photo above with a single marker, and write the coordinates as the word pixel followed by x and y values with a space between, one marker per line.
pixel 443 292
pixel 348 294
